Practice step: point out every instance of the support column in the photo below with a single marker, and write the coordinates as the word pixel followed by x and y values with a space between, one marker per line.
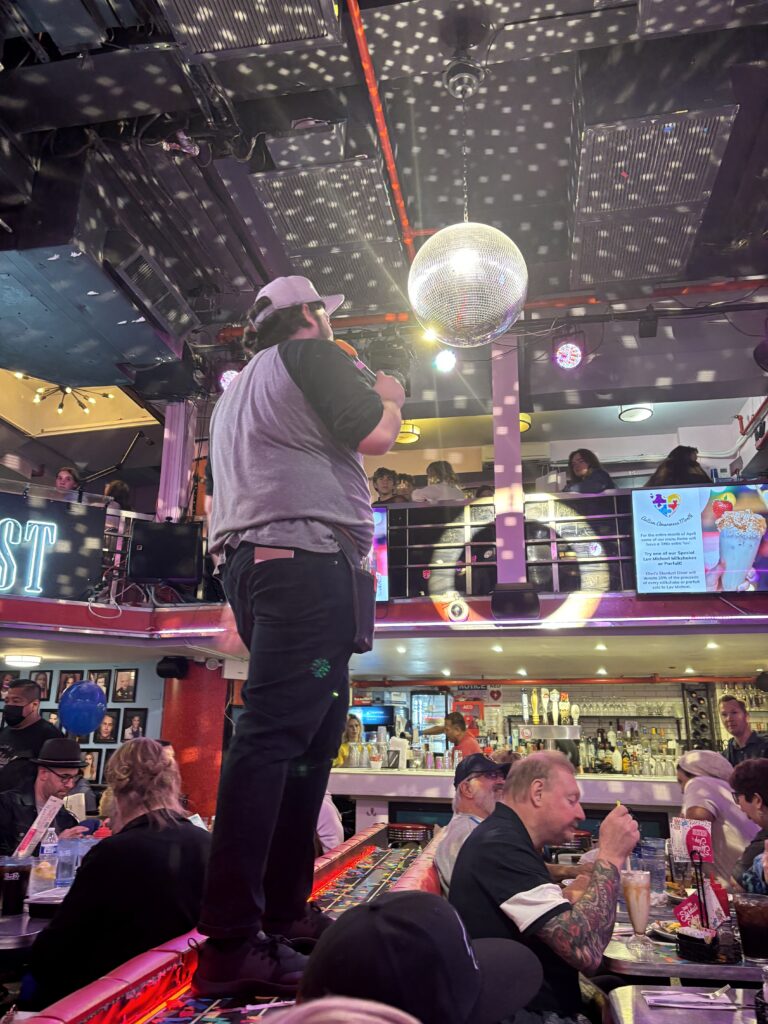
pixel 508 466
pixel 193 721
pixel 174 494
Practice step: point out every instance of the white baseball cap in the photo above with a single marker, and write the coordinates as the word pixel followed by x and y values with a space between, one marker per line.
pixel 285 292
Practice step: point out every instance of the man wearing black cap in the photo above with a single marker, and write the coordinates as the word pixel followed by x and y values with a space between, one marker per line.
pixel 290 504
pixel 410 950
pixel 59 766
pixel 478 781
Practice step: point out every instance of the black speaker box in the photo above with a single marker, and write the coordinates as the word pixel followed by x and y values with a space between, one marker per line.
pixel 166 552
pixel 172 668
pixel 515 601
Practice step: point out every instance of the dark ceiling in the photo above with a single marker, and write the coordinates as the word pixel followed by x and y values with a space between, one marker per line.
pixel 619 144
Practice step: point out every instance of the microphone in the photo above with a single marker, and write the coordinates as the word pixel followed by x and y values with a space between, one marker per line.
pixel 366 371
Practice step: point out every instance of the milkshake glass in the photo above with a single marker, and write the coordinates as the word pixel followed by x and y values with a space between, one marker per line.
pixel 740 536
pixel 636 887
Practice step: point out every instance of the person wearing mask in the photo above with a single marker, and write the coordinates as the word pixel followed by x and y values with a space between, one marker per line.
pixel 154 851
pixel 586 475
pixel 299 418
pixel 704 777
pixel 478 782
pixel 67 479
pixel 454 728
pixel 749 784
pixel 442 484
pixel 680 467
pixel 57 771
pixel 384 481
pixel 23 734
pixel 501 886
pixel 404 486
pixel 744 743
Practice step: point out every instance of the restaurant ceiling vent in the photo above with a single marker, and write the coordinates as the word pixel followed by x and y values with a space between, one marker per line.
pixel 643 186
pixel 144 280
pixel 337 225
pixel 224 28
pixel 676 16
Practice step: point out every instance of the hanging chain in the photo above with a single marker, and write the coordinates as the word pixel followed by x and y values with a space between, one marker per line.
pixel 465 157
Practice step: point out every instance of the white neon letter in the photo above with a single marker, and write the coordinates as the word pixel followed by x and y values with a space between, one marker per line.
pixel 10 536
pixel 41 534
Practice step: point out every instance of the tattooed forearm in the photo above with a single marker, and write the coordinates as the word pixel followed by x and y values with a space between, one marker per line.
pixel 580 935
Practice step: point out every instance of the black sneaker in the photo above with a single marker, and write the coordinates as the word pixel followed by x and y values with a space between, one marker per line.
pixel 310 925
pixel 262 965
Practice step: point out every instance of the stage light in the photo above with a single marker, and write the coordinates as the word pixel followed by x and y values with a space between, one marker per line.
pixel 568 348
pixel 636 413
pixel 430 335
pixel 445 360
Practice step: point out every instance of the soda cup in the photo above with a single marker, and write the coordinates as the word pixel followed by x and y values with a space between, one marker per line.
pixel 15 882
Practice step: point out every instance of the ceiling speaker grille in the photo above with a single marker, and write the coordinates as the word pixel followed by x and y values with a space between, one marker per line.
pixel 371 279
pixel 642 189
pixel 215 26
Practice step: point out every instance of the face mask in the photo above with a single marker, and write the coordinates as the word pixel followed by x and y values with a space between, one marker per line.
pixel 13 714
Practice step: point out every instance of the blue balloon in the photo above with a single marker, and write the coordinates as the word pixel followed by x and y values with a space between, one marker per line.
pixel 82 708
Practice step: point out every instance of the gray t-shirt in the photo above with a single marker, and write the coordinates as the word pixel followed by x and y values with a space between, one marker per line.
pixel 283 451
pixel 452 840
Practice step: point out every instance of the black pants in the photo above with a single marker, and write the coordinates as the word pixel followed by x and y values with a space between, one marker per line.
pixel 297 619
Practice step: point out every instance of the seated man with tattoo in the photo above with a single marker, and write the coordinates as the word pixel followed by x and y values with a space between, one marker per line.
pixel 502 889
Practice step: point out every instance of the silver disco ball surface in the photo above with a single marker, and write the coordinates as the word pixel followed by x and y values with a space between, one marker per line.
pixel 468 284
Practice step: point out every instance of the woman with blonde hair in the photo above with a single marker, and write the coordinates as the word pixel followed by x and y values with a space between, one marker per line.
pixel 140 887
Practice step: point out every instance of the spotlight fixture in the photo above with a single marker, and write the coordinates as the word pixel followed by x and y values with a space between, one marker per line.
pixel 760 354
pixel 463 77
pixel 636 413
pixel 82 397
pixel 525 422
pixel 648 324
pixel 410 432
pixel 22 660
pixel 568 348
pixel 445 360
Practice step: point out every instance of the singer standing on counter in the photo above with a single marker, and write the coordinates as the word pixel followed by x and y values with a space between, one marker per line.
pixel 285 450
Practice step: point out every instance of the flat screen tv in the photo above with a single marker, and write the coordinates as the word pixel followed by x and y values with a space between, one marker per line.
pixel 698 540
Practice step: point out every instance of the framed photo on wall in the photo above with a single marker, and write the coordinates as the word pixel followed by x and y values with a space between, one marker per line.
pixel 108 730
pixel 52 716
pixel 92 758
pixel 6 678
pixel 100 676
pixel 43 680
pixel 106 756
pixel 124 689
pixel 134 724
pixel 67 677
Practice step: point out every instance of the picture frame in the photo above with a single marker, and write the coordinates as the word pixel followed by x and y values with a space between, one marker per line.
pixel 51 715
pixel 5 679
pixel 107 756
pixel 125 685
pixel 102 677
pixel 44 680
pixel 67 677
pixel 93 757
pixel 105 736
pixel 134 719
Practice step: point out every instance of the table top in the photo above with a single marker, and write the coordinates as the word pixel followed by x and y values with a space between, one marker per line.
pixel 661 961
pixel 629 1007
pixel 19 931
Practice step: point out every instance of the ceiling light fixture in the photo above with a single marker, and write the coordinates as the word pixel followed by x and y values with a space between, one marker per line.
pixel 446 672
pixel 497 649
pixel 468 282
pixel 522 672
pixel 601 647
pixel 410 432
pixel 22 660
pixel 445 360
pixel 82 397
pixel 712 646
pixel 689 671
pixel 400 649
pixel 569 348
pixel 636 413
pixel 602 672
pixel 526 422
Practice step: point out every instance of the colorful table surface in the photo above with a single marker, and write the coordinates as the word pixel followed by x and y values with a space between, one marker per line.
pixel 630 1007
pixel 660 960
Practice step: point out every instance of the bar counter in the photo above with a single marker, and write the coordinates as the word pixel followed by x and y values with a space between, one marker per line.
pixel 373 790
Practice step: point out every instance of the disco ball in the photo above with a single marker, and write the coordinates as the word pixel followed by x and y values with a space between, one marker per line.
pixel 467 284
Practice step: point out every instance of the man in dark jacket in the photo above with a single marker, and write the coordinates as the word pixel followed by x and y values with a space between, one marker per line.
pixel 23 734
pixel 58 769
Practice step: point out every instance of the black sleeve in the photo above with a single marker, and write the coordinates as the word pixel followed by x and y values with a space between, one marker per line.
pixel 335 389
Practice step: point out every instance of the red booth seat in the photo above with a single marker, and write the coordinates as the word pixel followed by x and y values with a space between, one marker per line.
pixel 422 874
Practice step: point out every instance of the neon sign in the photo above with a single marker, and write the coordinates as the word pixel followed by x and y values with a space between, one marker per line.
pixel 36 537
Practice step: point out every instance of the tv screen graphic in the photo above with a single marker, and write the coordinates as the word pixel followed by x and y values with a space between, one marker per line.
pixel 697 540
pixel 379 554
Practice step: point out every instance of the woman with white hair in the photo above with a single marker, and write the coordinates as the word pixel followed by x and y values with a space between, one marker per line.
pixel 704 777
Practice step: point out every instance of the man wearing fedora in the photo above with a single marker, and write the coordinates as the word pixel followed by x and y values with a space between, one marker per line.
pixel 290 505
pixel 59 766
